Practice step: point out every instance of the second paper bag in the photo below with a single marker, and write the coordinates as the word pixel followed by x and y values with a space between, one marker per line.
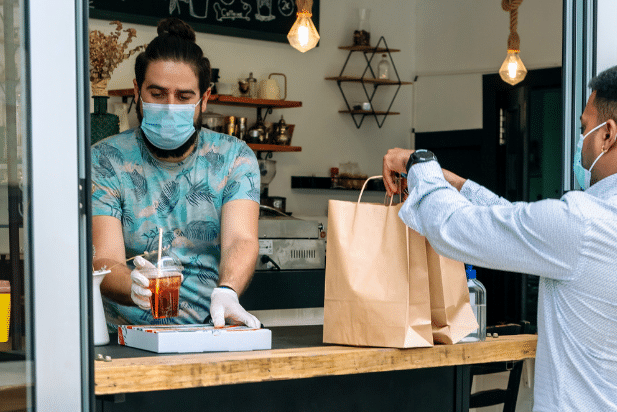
pixel 452 315
pixel 377 289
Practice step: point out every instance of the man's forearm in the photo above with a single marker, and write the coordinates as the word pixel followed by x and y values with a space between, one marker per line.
pixel 238 264
pixel 117 284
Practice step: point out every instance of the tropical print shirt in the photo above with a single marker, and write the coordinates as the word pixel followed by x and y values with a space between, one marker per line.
pixel 184 199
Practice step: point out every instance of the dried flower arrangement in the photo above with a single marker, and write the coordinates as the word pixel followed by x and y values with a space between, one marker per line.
pixel 106 53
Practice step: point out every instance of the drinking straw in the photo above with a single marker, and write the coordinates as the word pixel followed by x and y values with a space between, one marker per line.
pixel 160 245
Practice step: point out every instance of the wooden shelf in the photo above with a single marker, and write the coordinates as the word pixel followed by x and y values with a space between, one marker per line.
pixel 273 148
pixel 366 80
pixel 225 100
pixel 122 92
pixel 367 112
pixel 369 49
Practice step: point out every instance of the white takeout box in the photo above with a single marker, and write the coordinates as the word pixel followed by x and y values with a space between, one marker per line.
pixel 194 338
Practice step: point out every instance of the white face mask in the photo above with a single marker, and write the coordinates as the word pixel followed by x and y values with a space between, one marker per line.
pixel 583 176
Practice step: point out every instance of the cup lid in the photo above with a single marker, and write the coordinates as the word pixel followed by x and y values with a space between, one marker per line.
pixel 169 261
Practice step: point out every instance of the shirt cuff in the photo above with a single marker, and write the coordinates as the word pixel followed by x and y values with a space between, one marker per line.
pixel 421 171
pixel 469 189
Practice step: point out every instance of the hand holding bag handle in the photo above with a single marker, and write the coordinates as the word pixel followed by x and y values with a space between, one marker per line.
pixel 386 196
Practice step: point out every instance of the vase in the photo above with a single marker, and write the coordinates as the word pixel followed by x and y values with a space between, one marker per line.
pixel 102 124
pixel 101 336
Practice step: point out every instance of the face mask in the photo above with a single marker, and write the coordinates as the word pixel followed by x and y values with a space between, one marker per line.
pixel 168 126
pixel 583 176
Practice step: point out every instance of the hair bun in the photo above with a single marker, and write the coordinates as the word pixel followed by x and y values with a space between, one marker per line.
pixel 173 26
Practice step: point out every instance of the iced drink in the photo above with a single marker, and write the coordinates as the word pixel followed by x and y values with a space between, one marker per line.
pixel 165 277
pixel 165 294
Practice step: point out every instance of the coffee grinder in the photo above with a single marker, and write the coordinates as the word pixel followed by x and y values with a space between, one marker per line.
pixel 267 169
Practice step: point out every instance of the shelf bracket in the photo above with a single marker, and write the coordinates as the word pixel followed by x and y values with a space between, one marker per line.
pixel 268 155
pixel 268 111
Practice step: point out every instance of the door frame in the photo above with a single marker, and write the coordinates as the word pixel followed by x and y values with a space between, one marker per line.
pixel 56 263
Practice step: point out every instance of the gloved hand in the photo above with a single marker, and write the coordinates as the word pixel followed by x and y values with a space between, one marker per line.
pixel 224 305
pixel 140 294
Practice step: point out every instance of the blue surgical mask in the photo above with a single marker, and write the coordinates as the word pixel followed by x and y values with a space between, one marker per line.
pixel 168 126
pixel 583 176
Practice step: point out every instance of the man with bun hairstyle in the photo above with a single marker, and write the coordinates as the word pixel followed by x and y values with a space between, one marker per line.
pixel 570 243
pixel 200 187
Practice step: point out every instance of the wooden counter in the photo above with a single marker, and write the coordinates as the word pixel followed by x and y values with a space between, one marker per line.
pixel 297 353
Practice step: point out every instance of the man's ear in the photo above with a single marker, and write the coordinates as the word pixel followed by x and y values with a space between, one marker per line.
pixel 610 139
pixel 204 99
pixel 135 91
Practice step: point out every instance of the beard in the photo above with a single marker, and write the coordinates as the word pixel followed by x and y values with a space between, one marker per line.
pixel 175 153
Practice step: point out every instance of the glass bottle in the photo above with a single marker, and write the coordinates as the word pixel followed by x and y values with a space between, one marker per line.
pixel 383 68
pixel 477 298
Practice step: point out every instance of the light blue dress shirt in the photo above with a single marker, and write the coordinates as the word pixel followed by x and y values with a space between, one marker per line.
pixel 571 243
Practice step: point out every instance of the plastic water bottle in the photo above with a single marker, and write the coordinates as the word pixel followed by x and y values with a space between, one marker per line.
pixel 477 298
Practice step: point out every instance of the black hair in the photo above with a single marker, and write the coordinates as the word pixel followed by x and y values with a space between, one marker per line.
pixel 605 86
pixel 176 42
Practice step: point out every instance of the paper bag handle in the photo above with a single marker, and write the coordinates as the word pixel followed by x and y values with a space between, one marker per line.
pixel 378 177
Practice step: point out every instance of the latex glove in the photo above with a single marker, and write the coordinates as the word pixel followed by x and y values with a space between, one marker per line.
pixel 225 306
pixel 140 294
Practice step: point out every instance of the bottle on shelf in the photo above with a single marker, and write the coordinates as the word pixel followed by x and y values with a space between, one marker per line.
pixel 477 298
pixel 383 68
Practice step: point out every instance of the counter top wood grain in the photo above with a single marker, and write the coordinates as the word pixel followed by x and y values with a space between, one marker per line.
pixel 289 359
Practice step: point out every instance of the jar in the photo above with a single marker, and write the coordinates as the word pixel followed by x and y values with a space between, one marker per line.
pixel 362 35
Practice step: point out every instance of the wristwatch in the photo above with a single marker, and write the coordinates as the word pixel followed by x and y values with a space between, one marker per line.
pixel 420 156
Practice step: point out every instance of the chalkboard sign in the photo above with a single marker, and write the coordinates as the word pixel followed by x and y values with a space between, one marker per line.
pixel 257 19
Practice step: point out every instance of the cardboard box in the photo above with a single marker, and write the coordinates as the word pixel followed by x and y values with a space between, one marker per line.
pixel 194 338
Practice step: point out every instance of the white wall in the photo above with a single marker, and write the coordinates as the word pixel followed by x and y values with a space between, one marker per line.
pixel 327 137
pixel 607 41
pixel 458 41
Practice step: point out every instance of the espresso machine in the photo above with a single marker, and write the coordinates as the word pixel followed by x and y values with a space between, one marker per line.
pixel 290 268
pixel 267 169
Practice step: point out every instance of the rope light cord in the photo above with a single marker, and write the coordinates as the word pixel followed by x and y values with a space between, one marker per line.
pixel 514 42
pixel 305 6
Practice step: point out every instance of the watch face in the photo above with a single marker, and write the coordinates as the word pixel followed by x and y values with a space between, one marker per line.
pixel 423 155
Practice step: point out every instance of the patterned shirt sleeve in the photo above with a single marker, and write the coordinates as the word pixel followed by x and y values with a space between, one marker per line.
pixel 244 179
pixel 106 192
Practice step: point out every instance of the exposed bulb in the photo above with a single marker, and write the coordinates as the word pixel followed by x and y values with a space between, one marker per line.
pixel 512 70
pixel 303 35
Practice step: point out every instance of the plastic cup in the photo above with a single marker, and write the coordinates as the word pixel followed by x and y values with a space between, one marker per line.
pixel 165 280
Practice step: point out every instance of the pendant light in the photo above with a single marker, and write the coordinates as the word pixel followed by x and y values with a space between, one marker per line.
pixel 303 35
pixel 512 70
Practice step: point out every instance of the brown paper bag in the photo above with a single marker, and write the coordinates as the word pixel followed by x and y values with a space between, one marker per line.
pixel 377 288
pixel 451 313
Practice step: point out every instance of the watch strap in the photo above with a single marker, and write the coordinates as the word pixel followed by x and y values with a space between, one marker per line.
pixel 413 158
